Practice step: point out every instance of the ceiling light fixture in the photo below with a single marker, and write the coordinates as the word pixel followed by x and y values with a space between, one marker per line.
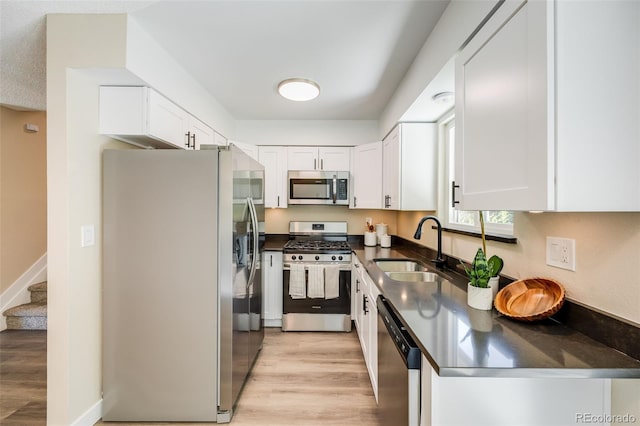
pixel 443 97
pixel 298 89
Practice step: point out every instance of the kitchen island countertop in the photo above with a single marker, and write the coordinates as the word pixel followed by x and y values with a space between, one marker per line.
pixel 461 341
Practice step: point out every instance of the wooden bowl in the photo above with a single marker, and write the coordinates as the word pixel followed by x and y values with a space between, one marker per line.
pixel 531 299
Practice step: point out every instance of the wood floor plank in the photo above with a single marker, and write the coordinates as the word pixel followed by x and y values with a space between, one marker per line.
pixel 23 377
pixel 300 378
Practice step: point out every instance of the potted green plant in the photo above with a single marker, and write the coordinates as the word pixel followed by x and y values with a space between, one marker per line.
pixel 483 276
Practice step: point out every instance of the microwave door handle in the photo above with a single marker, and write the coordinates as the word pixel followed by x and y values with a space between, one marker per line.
pixel 335 189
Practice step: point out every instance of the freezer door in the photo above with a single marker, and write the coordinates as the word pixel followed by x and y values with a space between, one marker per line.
pixel 241 332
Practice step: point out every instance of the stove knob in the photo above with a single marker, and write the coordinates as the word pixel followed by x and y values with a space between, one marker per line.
pixel 300 257
pixel 293 258
pixel 317 257
pixel 339 257
pixel 333 258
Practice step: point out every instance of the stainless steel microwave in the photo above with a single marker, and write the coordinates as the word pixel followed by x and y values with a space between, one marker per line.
pixel 318 187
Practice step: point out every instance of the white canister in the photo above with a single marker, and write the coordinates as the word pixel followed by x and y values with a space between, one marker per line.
pixel 381 229
pixel 385 241
pixel 370 239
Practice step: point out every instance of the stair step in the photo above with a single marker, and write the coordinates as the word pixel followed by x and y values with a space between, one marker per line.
pixel 38 292
pixel 30 316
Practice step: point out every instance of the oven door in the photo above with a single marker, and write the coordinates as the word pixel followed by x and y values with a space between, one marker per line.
pixel 340 305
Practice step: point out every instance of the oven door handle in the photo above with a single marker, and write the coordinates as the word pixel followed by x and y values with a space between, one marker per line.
pixel 345 267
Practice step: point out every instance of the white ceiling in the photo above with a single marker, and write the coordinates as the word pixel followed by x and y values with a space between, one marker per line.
pixel 358 50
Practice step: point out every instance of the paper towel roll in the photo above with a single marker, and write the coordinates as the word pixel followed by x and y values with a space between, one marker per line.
pixel 381 229
pixel 370 239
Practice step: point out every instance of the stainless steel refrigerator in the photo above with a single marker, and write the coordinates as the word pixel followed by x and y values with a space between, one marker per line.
pixel 182 283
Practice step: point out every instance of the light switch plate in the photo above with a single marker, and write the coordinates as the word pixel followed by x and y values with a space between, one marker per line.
pixel 561 253
pixel 87 235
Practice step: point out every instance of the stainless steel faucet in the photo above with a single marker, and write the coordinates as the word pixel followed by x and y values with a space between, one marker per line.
pixel 439 261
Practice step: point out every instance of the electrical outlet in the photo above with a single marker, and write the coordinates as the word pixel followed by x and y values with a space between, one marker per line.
pixel 561 253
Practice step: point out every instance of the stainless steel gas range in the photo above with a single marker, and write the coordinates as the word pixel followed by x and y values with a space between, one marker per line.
pixel 317 277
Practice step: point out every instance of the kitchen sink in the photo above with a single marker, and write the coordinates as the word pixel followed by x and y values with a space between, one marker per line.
pixel 415 276
pixel 398 265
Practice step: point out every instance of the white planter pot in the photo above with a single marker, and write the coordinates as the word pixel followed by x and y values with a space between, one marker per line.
pixel 479 298
pixel 494 283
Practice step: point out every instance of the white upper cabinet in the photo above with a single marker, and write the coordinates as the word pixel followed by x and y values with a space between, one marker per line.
pixel 200 134
pixel 143 117
pixel 274 160
pixel 330 158
pixel 409 161
pixel 366 176
pixel 548 109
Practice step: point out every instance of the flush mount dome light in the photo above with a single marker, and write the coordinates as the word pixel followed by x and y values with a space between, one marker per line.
pixel 443 97
pixel 298 89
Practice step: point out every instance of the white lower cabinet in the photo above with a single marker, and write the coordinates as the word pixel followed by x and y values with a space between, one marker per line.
pixel 272 288
pixel 503 401
pixel 365 316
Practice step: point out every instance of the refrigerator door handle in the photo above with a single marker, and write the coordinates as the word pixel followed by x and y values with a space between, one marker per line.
pixel 254 226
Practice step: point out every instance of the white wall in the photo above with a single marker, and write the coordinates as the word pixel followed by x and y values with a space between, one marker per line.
pixel 307 132
pixel 456 24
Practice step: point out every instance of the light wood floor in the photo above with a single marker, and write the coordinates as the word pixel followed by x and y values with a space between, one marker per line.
pixel 308 379
pixel 23 377
pixel 302 379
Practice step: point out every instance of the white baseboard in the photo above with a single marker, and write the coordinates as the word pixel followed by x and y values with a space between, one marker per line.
pixel 18 292
pixel 91 416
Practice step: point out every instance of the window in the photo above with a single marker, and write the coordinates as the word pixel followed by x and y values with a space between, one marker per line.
pixel 496 222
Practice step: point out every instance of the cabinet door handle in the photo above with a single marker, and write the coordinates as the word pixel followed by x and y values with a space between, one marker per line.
pixel 188 135
pixel 271 260
pixel 387 201
pixel 314 163
pixel 278 201
pixel 193 141
pixel 321 164
pixel 453 194
pixel 357 285
pixel 364 304
pixel 355 202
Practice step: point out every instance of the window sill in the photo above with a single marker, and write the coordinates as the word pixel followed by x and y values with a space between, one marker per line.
pixel 500 238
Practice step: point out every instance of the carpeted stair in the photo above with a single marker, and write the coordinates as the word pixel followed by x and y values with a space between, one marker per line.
pixel 30 316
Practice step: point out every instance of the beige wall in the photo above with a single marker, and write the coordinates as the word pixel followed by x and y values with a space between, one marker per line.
pixel 607 251
pixel 277 220
pixel 23 193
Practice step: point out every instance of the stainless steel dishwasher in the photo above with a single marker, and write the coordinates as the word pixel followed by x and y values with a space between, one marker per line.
pixel 398 371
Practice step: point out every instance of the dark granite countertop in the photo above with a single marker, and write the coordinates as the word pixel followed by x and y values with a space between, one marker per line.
pixel 275 242
pixel 461 341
